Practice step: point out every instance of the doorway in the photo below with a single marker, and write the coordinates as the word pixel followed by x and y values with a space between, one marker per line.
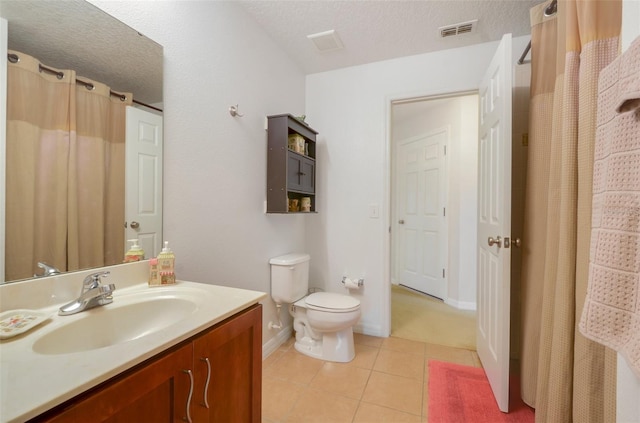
pixel 440 188
pixel 433 201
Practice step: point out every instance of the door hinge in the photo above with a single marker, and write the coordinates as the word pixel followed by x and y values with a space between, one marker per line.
pixel 445 150
pixel 443 273
pixel 444 211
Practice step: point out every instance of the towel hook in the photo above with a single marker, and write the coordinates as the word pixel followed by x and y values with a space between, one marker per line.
pixel 233 111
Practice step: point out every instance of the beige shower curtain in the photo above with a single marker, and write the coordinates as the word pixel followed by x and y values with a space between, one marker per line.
pixel 65 171
pixel 564 376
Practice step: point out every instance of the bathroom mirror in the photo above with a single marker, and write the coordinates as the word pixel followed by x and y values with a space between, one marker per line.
pixel 75 34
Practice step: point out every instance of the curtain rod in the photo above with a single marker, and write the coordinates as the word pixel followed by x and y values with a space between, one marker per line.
pixel 13 58
pixel 524 53
pixel 550 10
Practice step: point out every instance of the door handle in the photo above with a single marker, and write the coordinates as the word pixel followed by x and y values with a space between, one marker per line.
pixel 401 221
pixel 135 225
pixel 517 242
pixel 497 241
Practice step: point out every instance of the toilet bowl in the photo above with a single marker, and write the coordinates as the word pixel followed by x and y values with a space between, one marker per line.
pixel 323 323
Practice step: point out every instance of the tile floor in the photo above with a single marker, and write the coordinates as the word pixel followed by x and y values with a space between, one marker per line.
pixel 386 382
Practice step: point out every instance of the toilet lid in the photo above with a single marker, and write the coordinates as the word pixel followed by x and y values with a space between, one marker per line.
pixel 331 301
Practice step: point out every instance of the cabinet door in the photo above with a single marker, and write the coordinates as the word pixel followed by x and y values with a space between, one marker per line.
pixel 230 359
pixel 301 173
pixel 157 392
pixel 307 175
pixel 294 170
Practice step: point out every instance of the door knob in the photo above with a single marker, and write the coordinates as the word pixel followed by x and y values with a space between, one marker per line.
pixel 401 221
pixel 517 242
pixel 497 241
pixel 135 225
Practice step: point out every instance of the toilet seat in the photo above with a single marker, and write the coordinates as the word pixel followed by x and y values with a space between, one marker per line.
pixel 331 302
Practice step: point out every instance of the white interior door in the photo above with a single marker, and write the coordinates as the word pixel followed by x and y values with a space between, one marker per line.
pixel 494 221
pixel 420 201
pixel 143 180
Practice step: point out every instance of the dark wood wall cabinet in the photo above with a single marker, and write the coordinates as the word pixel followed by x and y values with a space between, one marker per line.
pixel 215 376
pixel 291 165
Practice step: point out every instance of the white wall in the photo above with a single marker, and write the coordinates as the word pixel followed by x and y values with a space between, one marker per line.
pixel 350 109
pixel 461 115
pixel 215 165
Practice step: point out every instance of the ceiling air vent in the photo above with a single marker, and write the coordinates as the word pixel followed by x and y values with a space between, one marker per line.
pixel 458 29
pixel 326 41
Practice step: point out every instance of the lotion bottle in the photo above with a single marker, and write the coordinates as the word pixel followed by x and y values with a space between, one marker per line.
pixel 135 253
pixel 154 273
pixel 166 265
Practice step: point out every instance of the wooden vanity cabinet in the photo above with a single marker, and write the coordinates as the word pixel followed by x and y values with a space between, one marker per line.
pixel 231 355
pixel 158 389
pixel 153 392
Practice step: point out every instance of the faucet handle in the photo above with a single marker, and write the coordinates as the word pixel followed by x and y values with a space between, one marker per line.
pixel 93 280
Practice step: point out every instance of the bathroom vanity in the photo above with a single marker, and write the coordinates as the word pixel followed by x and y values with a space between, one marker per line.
pixel 188 352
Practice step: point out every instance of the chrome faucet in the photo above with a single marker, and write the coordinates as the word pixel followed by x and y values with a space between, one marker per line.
pixel 93 294
pixel 48 270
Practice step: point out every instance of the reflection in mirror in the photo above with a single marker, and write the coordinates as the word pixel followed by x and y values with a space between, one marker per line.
pixel 73 73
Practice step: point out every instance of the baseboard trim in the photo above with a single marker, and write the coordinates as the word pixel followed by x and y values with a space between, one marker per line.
pixel 461 305
pixel 368 329
pixel 274 343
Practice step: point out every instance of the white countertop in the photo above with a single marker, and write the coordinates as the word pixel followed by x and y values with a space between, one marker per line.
pixel 32 383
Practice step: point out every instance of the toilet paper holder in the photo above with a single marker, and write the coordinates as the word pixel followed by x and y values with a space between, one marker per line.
pixel 352 283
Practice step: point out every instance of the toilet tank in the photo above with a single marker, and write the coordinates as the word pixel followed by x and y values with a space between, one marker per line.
pixel 289 277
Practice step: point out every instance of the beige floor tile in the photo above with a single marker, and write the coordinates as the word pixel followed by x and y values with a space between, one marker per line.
pixel 294 367
pixel 400 364
pixel 288 344
pixel 476 359
pixel 449 354
pixel 273 357
pixel 403 345
pixel 397 392
pixel 371 413
pixel 341 379
pixel 372 341
pixel 322 407
pixel 278 398
pixel 365 357
pixel 425 400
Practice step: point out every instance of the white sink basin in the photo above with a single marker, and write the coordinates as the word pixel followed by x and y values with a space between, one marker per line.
pixel 126 319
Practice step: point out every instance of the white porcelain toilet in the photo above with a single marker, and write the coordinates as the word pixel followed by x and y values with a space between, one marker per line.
pixel 323 321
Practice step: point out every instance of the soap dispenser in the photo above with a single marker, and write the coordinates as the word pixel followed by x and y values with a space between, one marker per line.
pixel 135 253
pixel 166 265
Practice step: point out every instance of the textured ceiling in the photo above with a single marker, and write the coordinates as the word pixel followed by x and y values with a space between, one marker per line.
pixel 77 35
pixel 100 47
pixel 378 30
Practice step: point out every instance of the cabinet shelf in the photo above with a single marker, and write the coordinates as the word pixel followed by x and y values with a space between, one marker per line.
pixel 291 173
